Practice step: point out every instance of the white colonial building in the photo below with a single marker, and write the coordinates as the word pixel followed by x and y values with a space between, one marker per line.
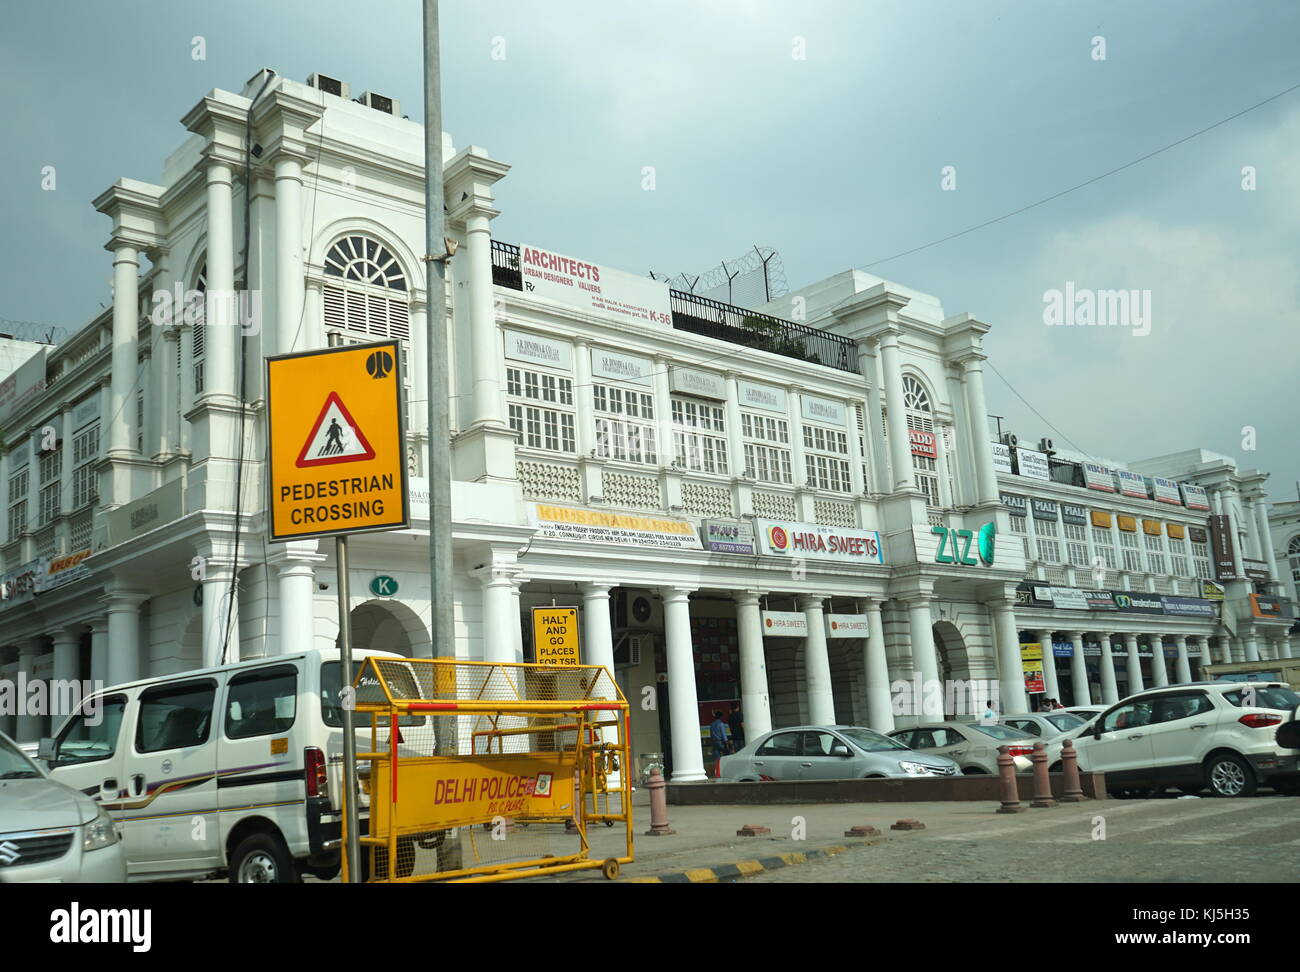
pixel 794 507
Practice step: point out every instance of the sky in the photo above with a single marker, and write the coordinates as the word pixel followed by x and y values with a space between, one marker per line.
pixel 840 133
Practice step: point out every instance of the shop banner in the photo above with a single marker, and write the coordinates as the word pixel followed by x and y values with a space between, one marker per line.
pixel 1126 523
pixel 1166 491
pixel 729 536
pixel 57 571
pixel 1197 535
pixel 1001 457
pixel 1045 510
pixel 823 410
pixel 1271 607
pixel 1151 528
pixel 1032 465
pixel 703 384
pixel 1018 505
pixel 818 542
pixel 1062 649
pixel 1256 570
pixel 1131 484
pixel 622 367
pixel 923 443
pixel 1195 498
pixel 1100 600
pixel 1138 602
pixel 785 624
pixel 19 584
pixel 1097 476
pixel 1221 548
pixel 1077 515
pixel 533 348
pixel 1031 662
pixel 1101 520
pixel 1069 599
pixel 625 529
pixel 846 626
pixel 1188 607
pixel 593 288
pixel 1211 591
pixel 1175 531
pixel 754 395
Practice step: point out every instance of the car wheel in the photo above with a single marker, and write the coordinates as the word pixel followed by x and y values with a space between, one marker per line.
pixel 262 859
pixel 1228 775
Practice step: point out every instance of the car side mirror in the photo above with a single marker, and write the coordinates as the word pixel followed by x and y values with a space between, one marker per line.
pixel 45 750
pixel 840 751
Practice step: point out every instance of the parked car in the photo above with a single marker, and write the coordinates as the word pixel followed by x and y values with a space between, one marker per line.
pixel 49 831
pixel 974 745
pixel 1085 712
pixel 233 770
pixel 829 753
pixel 1220 735
pixel 1045 725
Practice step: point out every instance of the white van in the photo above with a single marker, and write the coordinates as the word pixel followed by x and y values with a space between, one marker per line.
pixel 235 770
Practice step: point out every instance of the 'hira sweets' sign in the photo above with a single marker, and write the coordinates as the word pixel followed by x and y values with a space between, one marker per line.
pixel 955 545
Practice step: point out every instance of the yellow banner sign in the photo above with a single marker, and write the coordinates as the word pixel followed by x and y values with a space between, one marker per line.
pixel 337 461
pixel 1100 519
pixel 555 635
pixel 1031 662
pixel 1175 530
pixel 1127 523
pixel 1151 528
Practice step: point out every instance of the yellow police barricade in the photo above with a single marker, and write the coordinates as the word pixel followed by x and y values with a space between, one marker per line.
pixel 480 771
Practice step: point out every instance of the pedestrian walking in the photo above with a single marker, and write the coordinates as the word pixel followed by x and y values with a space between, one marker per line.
pixel 736 723
pixel 718 735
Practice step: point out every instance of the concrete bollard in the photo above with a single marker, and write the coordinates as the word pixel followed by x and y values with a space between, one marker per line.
pixel 1042 782
pixel 862 830
pixel 1010 789
pixel 753 830
pixel 1070 769
pixel 658 806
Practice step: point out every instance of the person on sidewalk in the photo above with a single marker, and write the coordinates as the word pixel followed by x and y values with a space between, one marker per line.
pixel 718 735
pixel 736 723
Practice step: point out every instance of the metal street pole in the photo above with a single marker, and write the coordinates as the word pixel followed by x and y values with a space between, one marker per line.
pixel 349 729
pixel 435 248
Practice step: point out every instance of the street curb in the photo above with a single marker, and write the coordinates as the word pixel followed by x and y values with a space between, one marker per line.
pixel 725 873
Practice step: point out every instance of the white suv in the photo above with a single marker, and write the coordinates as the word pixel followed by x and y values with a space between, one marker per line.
pixel 1220 735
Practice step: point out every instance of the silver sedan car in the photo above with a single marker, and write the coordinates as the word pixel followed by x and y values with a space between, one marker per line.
pixel 1047 726
pixel 829 753
pixel 974 744
pixel 51 832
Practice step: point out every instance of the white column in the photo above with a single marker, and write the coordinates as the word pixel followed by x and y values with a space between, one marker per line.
pixel 1109 685
pixel 1079 670
pixel 794 415
pixel 920 625
pixel 597 634
pixel 290 323
pixel 586 417
pixel 817 664
pixel 99 652
pixel 65 462
pixel 418 410
pixel 66 671
pixel 1266 539
pixel 1255 541
pixel 662 393
pixel 735 449
pixel 124 635
pixel 977 411
pixel 1252 647
pixel 498 613
pixel 482 321
pixel 167 402
pixel 1011 675
pixel 1159 671
pixel 856 480
pixel 688 751
pixel 880 709
pixel 1182 666
pixel 29 727
pixel 877 477
pixel 1287 650
pixel 517 630
pixel 220 346
pixel 297 581
pixel 126 325
pixel 1051 685
pixel 1135 681
pixel 900 450
pixel 755 706
pixel 217 603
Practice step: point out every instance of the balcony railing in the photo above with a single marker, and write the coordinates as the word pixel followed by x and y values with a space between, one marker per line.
pixel 725 322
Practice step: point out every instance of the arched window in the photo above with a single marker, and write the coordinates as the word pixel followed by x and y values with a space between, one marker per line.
pixel 200 317
pixel 915 397
pixel 920 418
pixel 1293 557
pixel 366 298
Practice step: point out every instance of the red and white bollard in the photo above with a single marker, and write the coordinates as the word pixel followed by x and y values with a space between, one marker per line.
pixel 658 806
pixel 1042 782
pixel 1010 788
pixel 1073 792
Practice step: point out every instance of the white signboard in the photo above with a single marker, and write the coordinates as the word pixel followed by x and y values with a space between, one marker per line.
pixel 539 350
pixel 1195 498
pixel 823 410
pixel 785 624
pixel 705 384
pixel 1001 457
pixel 846 626
pixel 1097 476
pixel 818 542
pixel 1131 484
pixel 26 382
pixel 85 413
pixel 600 526
pixel 1166 491
pixel 593 288
pixel 1032 464
pixel 754 395
pixel 418 487
pixel 621 367
pixel 1069 598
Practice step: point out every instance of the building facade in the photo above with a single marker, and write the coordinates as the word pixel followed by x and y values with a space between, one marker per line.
pixel 798 508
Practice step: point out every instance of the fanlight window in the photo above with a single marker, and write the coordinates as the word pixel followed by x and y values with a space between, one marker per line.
pixel 363 260
pixel 915 396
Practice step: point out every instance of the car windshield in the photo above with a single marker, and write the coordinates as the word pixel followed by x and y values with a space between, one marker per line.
pixel 14 765
pixel 870 740
pixel 1264 697
pixel 331 712
pixel 1065 721
pixel 1000 732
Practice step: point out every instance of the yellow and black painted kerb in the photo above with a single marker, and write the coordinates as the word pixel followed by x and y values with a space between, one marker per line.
pixel 736 870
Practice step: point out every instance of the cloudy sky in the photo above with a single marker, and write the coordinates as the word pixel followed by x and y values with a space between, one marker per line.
pixel 835 158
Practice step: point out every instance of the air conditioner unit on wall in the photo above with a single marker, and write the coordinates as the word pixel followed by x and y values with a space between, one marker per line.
pixel 629 649
pixel 389 106
pixel 638 611
pixel 323 82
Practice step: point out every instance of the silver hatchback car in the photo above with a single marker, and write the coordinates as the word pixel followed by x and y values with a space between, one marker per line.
pixel 829 753
pixel 49 831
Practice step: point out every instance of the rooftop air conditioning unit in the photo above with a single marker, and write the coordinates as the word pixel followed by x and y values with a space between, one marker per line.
pixel 323 82
pixel 1010 440
pixel 1044 445
pixel 389 106
pixel 638 611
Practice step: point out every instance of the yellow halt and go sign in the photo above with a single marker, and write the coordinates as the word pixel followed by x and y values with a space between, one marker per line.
pixel 337 463
pixel 555 635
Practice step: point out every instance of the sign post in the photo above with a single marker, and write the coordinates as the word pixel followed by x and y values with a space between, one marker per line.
pixel 555 635
pixel 337 466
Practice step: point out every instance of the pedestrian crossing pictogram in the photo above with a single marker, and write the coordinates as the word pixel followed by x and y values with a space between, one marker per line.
pixel 335 437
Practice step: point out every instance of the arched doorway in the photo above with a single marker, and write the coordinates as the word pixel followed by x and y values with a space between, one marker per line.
pixel 388 626
pixel 961 696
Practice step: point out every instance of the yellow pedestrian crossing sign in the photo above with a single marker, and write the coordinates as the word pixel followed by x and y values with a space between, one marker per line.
pixel 337 457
